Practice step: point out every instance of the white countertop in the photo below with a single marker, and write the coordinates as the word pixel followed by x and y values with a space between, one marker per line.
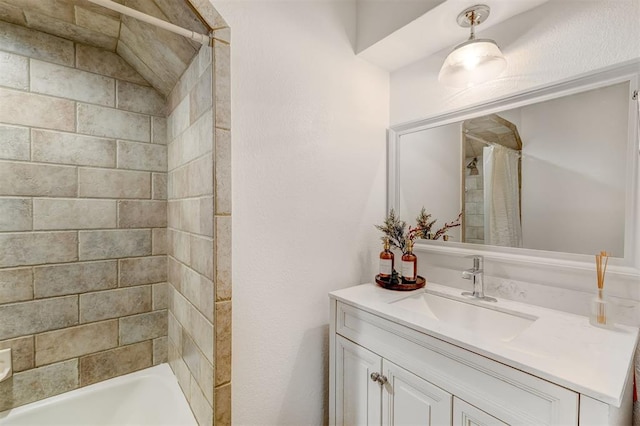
pixel 559 347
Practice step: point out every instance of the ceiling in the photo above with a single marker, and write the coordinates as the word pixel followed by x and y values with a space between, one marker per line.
pixel 159 56
pixel 437 29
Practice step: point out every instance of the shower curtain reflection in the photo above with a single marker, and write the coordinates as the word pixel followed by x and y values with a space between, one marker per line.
pixel 502 226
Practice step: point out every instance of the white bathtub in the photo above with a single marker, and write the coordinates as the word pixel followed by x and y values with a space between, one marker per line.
pixel 150 397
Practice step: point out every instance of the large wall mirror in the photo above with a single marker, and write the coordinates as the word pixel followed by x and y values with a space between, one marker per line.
pixel 552 170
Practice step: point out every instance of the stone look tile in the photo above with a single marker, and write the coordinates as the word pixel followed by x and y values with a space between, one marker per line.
pixel 16 285
pixel 36 44
pixel 201 331
pixel 37 248
pixel 201 96
pixel 12 14
pixel 112 123
pixel 179 369
pixel 114 244
pixel 223 343
pixel 159 130
pixel 202 256
pixel 198 290
pixel 142 156
pixel 68 30
pixel 174 332
pixel 115 362
pixel 222 61
pixel 200 368
pixel 102 183
pixel 223 257
pixel 174 273
pixel 159 296
pixel 206 216
pixel 143 270
pixel 223 34
pixel 57 213
pixel 222 408
pixel 201 408
pixel 105 24
pixel 73 342
pixel 222 189
pixel 159 186
pixel 21 319
pixel 37 180
pixel 69 148
pixel 142 99
pixel 138 328
pixel 14 143
pixel 179 246
pixel 107 63
pixel 142 214
pixel 15 214
pixel 65 82
pixel 114 303
pixel 21 352
pixel 38 383
pixel 127 54
pixel 59 280
pixel 194 142
pixel 15 71
pixel 179 120
pixel 159 350
pixel 29 109
pixel 159 243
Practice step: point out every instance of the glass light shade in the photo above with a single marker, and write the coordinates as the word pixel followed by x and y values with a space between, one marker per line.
pixel 472 62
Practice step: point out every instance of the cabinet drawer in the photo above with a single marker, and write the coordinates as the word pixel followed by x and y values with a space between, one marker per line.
pixel 508 394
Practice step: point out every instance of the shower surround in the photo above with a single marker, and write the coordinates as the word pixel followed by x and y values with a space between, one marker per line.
pixel 84 224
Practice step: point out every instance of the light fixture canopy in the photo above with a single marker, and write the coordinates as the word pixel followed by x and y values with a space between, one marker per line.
pixel 476 60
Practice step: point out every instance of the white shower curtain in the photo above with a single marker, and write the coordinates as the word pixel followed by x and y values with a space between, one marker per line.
pixel 502 225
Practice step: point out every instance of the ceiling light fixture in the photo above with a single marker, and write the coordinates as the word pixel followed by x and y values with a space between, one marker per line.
pixel 476 60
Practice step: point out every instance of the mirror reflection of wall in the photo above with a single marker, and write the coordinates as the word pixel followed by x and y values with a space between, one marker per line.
pixel 567 166
pixel 429 175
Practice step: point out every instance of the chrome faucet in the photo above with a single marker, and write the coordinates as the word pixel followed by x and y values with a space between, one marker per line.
pixel 475 274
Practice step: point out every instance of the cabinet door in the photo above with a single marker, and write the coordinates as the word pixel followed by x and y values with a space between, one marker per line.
pixel 409 400
pixel 358 397
pixel 465 414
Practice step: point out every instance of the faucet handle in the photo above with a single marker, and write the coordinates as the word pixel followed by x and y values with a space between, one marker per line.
pixel 478 261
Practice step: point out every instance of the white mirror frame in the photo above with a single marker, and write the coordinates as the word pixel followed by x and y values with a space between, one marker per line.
pixel 627 268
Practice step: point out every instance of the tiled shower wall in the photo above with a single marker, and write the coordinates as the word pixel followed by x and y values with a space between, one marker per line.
pixel 82 216
pixel 474 203
pixel 199 233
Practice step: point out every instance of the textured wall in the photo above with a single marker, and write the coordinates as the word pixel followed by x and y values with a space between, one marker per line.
pixel 558 40
pixel 309 123
pixel 82 216
pixel 199 233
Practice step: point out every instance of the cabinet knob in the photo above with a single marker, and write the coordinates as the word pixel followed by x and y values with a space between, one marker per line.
pixel 377 377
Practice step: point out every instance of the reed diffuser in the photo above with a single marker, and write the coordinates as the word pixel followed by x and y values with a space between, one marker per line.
pixel 599 311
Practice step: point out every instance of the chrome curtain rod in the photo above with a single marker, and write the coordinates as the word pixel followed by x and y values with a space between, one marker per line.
pixel 200 38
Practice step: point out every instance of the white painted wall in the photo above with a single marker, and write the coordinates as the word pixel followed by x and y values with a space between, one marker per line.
pixel 557 40
pixel 430 163
pixel 309 154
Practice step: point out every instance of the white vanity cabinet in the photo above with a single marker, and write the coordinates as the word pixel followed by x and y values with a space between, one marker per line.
pixel 374 391
pixel 388 371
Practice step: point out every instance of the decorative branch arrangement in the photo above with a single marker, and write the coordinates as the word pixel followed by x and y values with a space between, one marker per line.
pixel 395 229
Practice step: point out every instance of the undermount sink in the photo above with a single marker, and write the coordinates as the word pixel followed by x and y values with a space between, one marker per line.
pixel 460 313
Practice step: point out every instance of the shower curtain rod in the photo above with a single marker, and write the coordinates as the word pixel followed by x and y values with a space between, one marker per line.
pixel 200 38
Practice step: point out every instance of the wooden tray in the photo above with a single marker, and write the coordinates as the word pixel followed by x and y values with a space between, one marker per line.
pixel 402 286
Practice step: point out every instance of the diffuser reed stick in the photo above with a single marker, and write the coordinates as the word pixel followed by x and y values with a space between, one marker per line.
pixel 602 260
